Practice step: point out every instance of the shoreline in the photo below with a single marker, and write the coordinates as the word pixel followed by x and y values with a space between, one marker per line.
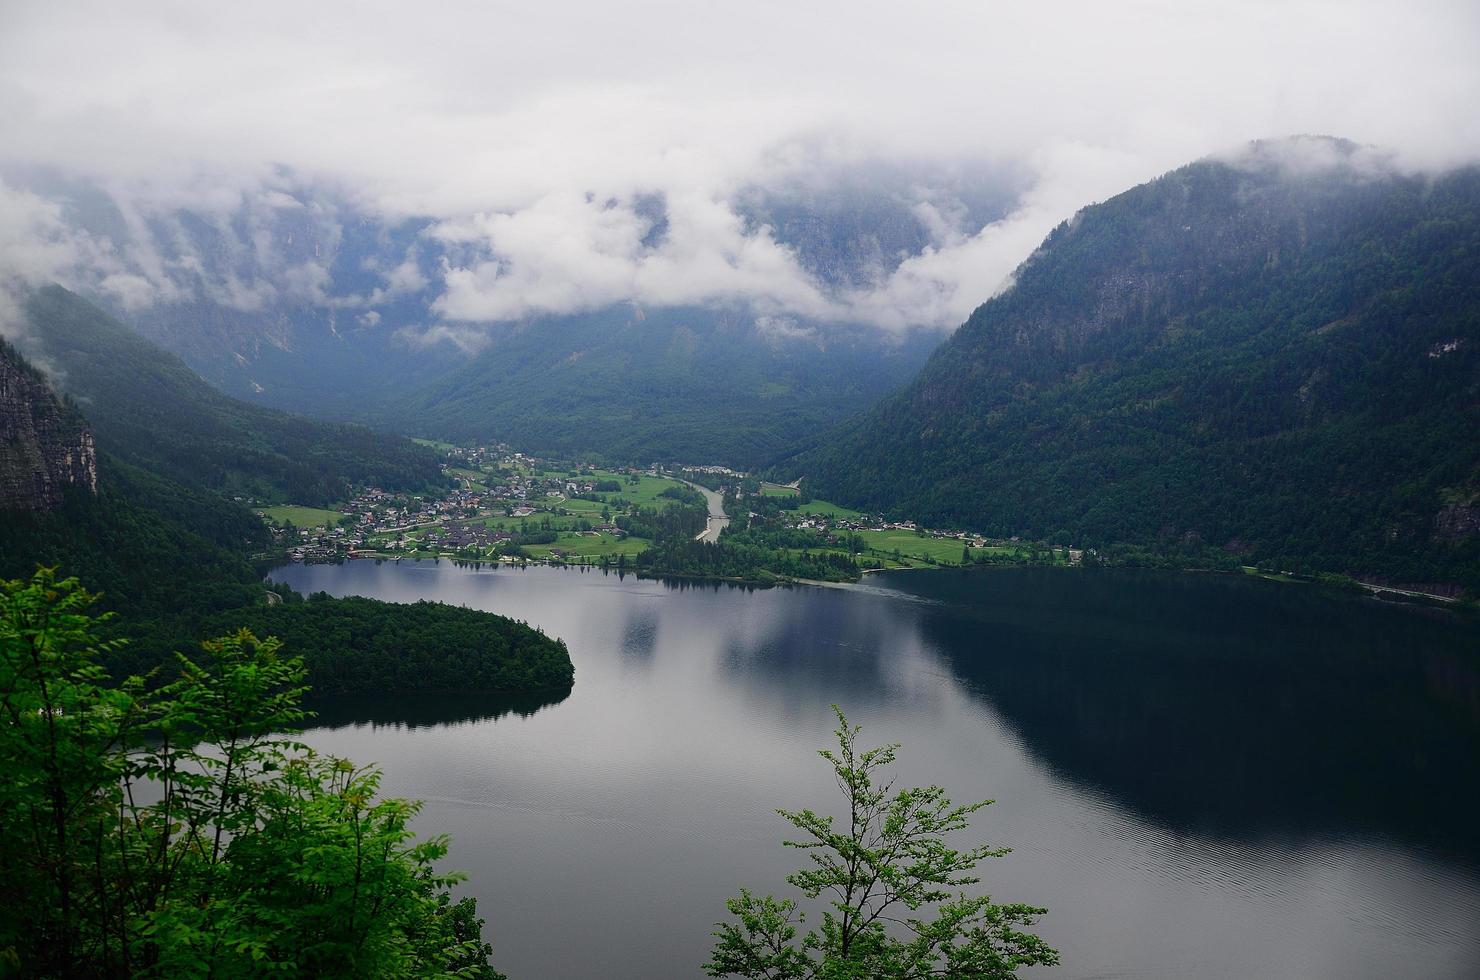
pixel 1383 593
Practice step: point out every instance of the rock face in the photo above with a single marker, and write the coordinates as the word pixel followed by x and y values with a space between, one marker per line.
pixel 1458 521
pixel 45 446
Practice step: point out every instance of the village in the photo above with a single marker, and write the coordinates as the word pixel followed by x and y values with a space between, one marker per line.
pixel 507 506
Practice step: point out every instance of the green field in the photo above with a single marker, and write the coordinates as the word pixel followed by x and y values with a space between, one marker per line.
pixel 589 546
pixel 778 490
pixel 946 550
pixel 536 521
pixel 822 508
pixel 301 516
pixel 643 493
pixel 444 446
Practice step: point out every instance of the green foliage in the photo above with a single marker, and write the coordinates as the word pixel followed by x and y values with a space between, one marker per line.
pixel 356 646
pixel 1228 357
pixel 173 558
pixel 757 553
pixel 665 384
pixel 252 854
pixel 147 407
pixel 161 553
pixel 170 560
pixel 893 886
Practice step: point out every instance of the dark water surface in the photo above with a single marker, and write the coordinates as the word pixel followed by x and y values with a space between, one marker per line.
pixel 1200 776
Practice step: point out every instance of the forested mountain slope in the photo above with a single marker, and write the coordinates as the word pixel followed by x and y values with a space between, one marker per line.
pixel 1278 355
pixel 175 561
pixel 300 297
pixel 162 552
pixel 147 407
pixel 698 385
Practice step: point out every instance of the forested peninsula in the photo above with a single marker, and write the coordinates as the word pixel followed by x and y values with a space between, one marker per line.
pixel 139 514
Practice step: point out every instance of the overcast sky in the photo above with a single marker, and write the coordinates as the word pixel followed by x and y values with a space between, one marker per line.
pixel 517 122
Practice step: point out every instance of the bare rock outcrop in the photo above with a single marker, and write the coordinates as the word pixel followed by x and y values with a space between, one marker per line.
pixel 45 445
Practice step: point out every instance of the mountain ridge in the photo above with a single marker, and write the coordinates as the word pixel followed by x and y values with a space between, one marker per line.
pixel 1278 357
pixel 149 408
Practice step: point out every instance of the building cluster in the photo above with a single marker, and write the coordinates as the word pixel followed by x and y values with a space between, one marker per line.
pixel 377 522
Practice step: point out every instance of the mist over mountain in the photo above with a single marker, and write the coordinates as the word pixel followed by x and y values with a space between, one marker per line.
pixel 295 297
pixel 1276 354
pixel 152 411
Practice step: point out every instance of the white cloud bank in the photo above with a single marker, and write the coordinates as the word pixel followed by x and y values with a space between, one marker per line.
pixel 532 132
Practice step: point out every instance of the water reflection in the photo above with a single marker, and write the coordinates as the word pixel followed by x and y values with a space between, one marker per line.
pixel 423 710
pixel 1244 709
pixel 1200 776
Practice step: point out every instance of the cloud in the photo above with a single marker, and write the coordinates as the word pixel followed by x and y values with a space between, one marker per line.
pixel 530 135
pixel 781 329
pixel 36 245
pixel 469 340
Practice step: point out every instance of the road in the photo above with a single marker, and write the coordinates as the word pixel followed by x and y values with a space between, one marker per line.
pixel 718 519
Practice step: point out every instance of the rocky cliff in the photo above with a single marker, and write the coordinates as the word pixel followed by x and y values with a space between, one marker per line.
pixel 45 445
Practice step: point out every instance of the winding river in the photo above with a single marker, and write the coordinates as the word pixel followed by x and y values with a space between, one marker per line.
pixel 717 520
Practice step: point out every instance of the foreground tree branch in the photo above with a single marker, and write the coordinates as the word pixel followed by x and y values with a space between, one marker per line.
pixel 895 906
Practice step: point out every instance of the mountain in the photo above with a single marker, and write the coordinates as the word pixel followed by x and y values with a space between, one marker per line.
pixel 1276 354
pixel 144 542
pixel 298 296
pixel 45 446
pixel 151 410
pixel 692 384
pixel 175 561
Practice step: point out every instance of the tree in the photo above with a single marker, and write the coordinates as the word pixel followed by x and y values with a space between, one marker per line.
pixel 894 907
pixel 175 830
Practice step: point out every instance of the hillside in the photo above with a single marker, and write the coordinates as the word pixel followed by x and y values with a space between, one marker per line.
pixel 148 408
pixel 704 385
pixel 1278 356
pixel 303 300
pixel 173 561
pixel 162 552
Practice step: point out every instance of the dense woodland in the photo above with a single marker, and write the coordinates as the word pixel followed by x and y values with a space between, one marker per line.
pixel 356 646
pixel 1282 367
pixel 164 554
pixel 630 385
pixel 175 560
pixel 148 408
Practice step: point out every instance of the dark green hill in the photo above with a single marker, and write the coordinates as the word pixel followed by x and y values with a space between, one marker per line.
pixel 172 560
pixel 147 407
pixel 699 385
pixel 1273 358
pixel 357 646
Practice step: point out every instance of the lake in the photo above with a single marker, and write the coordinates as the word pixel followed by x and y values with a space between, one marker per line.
pixel 1199 775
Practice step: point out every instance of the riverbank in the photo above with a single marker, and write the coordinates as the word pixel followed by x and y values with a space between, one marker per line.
pixel 717 520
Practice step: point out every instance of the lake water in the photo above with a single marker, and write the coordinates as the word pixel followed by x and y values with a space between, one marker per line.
pixel 1200 776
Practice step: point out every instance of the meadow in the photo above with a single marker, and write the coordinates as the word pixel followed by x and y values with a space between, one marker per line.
pixel 300 516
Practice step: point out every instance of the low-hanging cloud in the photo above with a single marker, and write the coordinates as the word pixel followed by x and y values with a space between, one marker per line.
pixel 531 140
